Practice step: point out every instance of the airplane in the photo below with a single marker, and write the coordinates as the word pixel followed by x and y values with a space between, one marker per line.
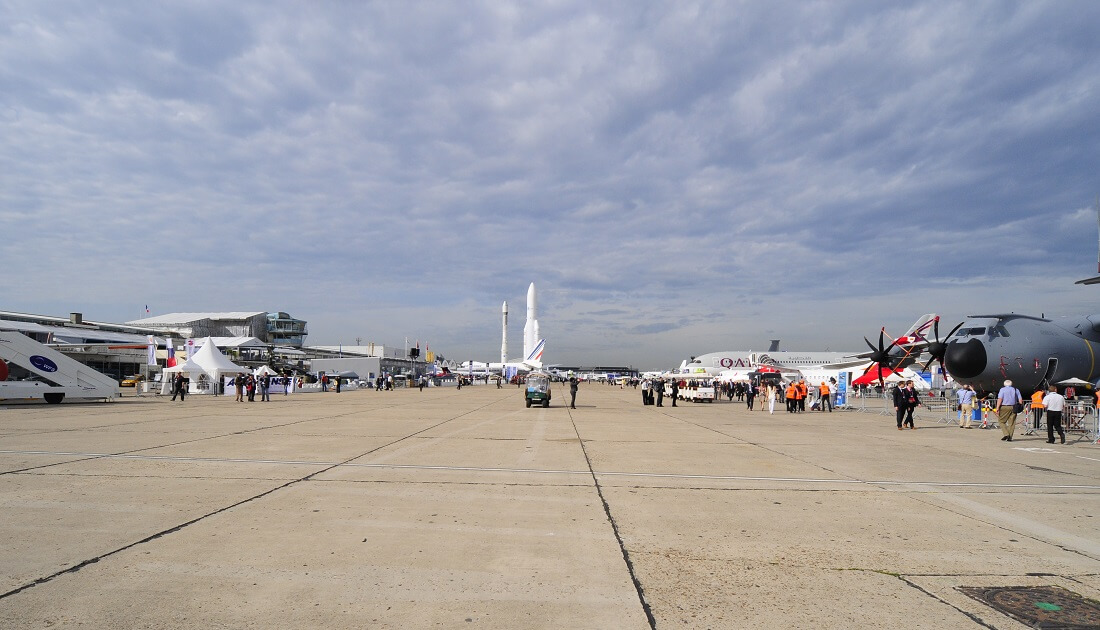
pixel 714 363
pixel 1032 352
pixel 531 363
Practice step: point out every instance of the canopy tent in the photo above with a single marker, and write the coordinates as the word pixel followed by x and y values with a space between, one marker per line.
pixel 730 376
pixel 188 367
pixel 263 369
pixel 1076 382
pixel 871 376
pixel 215 363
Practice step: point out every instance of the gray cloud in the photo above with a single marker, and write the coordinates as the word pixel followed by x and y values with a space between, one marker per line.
pixel 674 178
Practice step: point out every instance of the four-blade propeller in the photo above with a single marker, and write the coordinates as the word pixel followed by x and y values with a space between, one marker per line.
pixel 881 355
pixel 938 348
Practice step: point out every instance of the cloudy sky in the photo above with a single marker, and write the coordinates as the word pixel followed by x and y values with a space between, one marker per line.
pixel 675 177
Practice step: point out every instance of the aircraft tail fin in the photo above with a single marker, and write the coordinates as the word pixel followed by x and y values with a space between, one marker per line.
pixel 535 357
pixel 920 329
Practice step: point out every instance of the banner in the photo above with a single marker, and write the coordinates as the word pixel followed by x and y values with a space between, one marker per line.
pixel 151 354
pixel 842 390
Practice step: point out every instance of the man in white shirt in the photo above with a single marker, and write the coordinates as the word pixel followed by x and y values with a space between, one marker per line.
pixel 1054 403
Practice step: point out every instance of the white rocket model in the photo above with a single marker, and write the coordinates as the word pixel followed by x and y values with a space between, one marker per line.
pixel 504 334
pixel 531 341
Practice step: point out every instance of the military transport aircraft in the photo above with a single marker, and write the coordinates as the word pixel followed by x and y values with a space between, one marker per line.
pixel 1031 351
pixel 985 350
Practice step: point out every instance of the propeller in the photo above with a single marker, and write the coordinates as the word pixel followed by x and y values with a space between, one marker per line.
pixel 938 348
pixel 880 355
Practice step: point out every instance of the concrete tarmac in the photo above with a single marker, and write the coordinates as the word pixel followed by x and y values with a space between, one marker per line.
pixel 464 509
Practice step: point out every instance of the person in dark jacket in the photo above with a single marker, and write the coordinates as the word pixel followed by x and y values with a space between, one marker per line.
pixel 179 386
pixel 905 401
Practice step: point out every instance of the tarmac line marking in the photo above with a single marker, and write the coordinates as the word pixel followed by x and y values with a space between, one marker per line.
pixel 635 580
pixel 171 530
pixel 1014 522
pixel 868 482
pixel 1091 459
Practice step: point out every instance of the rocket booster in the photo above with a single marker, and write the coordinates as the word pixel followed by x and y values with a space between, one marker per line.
pixel 531 326
pixel 504 333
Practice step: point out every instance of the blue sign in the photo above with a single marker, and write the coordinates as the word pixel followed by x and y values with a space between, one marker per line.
pixel 842 390
pixel 43 363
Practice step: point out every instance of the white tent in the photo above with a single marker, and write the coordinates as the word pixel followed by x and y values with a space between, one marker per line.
pixel 188 367
pixel 730 376
pixel 215 363
pixel 263 369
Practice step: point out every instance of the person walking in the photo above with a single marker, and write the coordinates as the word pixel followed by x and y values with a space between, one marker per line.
pixel 905 401
pixel 772 393
pixel 250 388
pixel 338 381
pixel 179 386
pixel 675 390
pixel 645 392
pixel 825 392
pixel 1036 411
pixel 660 385
pixel 1007 400
pixel 750 394
pixel 966 406
pixel 572 391
pixel 324 382
pixel 238 384
pixel 265 388
pixel 1054 403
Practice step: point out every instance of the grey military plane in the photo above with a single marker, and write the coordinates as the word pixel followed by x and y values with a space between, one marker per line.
pixel 985 350
pixel 1031 351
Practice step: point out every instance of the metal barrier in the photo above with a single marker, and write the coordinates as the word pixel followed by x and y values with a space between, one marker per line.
pixel 1080 417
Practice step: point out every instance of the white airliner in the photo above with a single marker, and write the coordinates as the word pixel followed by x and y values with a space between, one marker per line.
pixel 714 363
pixel 533 346
pixel 531 363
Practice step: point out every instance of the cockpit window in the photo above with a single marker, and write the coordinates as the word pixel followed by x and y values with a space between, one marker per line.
pixel 970 332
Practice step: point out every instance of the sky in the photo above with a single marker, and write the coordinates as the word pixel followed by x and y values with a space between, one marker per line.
pixel 676 178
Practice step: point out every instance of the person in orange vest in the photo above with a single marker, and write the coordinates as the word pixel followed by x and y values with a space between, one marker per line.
pixel 1037 408
pixel 792 397
pixel 803 392
pixel 824 391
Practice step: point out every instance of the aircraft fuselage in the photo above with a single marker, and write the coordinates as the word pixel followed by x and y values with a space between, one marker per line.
pixel 1030 351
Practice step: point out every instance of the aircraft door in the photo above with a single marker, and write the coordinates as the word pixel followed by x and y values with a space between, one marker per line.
pixel 1052 367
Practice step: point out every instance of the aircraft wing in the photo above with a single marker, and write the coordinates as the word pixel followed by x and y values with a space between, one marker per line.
pixel 856 361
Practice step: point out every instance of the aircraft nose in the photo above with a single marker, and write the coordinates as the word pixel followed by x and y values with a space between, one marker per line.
pixel 965 360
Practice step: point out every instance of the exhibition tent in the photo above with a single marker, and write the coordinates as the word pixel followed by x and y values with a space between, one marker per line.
pixel 870 377
pixel 263 369
pixel 188 367
pixel 215 363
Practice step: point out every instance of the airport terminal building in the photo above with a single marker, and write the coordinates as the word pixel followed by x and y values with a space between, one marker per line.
pixel 251 338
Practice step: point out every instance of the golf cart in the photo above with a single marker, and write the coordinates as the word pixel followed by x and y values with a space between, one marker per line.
pixel 538 389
